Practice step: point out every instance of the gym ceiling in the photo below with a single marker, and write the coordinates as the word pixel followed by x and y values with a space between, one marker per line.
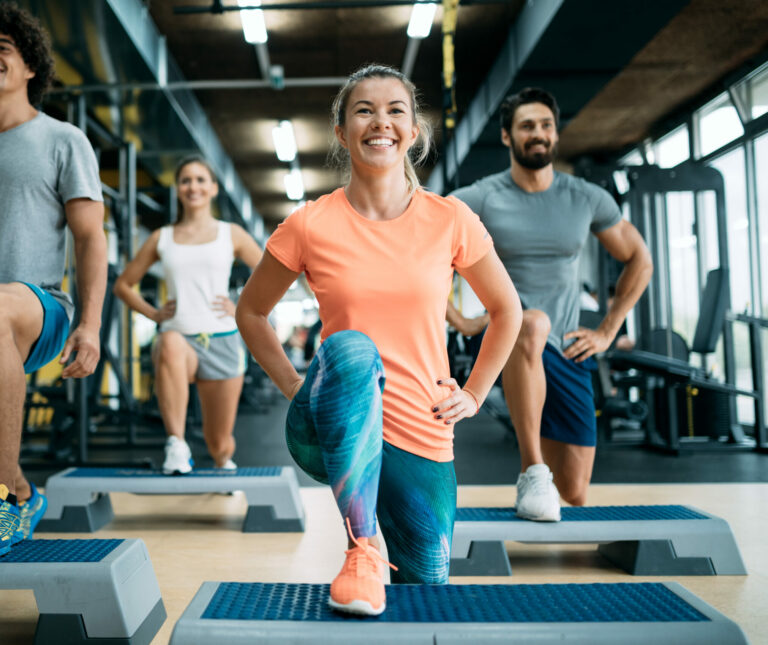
pixel 620 70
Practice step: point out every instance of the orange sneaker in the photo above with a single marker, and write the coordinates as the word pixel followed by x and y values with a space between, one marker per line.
pixel 359 587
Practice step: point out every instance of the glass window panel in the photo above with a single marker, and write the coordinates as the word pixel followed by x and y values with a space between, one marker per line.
pixel 745 410
pixel 758 90
pixel 633 158
pixel 733 170
pixel 683 266
pixel 718 123
pixel 732 167
pixel 672 148
pixel 761 172
pixel 764 340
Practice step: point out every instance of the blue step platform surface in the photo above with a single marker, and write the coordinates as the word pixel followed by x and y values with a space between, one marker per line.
pixel 631 613
pixel 88 591
pixel 78 498
pixel 643 540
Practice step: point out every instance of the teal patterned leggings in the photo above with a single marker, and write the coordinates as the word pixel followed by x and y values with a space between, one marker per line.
pixel 334 432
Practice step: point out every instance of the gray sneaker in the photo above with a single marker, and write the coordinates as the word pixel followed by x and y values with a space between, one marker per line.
pixel 537 496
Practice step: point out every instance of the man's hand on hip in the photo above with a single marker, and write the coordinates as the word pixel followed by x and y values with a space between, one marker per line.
pixel 588 342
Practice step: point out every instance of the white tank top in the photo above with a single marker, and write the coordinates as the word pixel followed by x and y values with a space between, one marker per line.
pixel 195 274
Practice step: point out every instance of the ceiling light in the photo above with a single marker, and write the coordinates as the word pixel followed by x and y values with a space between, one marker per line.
pixel 254 29
pixel 294 186
pixel 422 15
pixel 285 141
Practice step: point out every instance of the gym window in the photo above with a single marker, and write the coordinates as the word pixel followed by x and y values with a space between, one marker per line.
pixel 718 123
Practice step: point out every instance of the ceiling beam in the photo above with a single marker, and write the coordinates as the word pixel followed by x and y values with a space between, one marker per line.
pixel 209 84
pixel 218 7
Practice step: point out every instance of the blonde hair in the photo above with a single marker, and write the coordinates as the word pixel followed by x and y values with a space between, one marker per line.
pixel 339 156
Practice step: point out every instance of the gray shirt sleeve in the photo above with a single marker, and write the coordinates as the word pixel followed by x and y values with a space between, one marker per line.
pixel 605 210
pixel 472 196
pixel 78 170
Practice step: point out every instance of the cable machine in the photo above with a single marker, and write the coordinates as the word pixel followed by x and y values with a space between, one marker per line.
pixel 681 414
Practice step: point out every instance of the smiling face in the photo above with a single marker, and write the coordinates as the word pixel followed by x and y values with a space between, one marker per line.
pixel 14 73
pixel 379 125
pixel 195 186
pixel 533 136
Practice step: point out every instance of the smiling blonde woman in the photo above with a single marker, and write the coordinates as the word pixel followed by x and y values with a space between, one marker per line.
pixel 374 416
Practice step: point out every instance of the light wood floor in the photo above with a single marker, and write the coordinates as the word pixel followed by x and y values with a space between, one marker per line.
pixel 192 539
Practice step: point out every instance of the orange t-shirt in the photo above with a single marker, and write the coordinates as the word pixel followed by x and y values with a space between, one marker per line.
pixel 390 280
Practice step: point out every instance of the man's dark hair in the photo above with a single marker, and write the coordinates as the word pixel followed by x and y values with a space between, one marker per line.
pixel 528 95
pixel 33 44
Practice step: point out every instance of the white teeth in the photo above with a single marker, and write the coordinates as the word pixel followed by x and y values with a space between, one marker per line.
pixel 380 142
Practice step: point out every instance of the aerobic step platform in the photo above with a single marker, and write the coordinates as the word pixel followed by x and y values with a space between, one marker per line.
pixel 591 614
pixel 642 540
pixel 87 591
pixel 78 498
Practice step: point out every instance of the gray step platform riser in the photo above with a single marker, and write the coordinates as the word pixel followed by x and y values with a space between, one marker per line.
pixel 233 633
pixel 193 630
pixel 69 629
pixel 709 539
pixel 77 504
pixel 113 596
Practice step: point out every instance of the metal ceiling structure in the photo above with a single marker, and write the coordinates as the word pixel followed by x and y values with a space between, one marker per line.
pixel 175 82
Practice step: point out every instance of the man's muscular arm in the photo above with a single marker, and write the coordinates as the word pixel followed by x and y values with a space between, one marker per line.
pixel 85 219
pixel 625 244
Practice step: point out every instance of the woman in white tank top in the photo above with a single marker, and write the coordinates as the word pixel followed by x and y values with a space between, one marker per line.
pixel 198 340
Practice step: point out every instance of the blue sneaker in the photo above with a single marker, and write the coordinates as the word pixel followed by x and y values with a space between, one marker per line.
pixel 10 522
pixel 31 512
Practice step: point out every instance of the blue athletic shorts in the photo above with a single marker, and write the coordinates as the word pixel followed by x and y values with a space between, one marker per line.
pixel 569 409
pixel 54 334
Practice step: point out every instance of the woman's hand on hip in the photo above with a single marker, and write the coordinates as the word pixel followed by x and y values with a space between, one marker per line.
pixel 459 405
pixel 168 310
pixel 224 305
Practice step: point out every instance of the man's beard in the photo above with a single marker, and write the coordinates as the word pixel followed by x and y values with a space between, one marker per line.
pixel 536 160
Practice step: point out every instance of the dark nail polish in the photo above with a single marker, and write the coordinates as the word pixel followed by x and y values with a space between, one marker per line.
pixel 439 416
pixel 434 409
pixel 439 382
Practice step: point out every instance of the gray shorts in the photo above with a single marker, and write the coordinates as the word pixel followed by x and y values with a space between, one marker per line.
pixel 219 356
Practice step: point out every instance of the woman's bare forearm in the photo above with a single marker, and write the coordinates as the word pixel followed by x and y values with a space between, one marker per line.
pixel 495 349
pixel 266 349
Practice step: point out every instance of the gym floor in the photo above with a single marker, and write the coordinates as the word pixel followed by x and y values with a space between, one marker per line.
pixel 204 541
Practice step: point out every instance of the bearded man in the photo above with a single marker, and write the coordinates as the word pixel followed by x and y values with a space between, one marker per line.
pixel 540 220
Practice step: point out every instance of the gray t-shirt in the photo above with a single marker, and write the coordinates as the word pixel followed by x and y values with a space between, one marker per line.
pixel 43 164
pixel 539 236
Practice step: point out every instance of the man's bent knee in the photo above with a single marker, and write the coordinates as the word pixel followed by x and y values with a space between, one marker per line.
pixel 21 316
pixel 533 333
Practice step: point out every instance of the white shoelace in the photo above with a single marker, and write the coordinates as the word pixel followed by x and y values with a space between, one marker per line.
pixel 539 484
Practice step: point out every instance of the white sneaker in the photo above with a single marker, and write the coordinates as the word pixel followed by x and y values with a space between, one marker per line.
pixel 537 496
pixel 229 465
pixel 178 457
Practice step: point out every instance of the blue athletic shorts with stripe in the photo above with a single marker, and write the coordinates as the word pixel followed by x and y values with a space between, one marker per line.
pixel 54 334
pixel 569 409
